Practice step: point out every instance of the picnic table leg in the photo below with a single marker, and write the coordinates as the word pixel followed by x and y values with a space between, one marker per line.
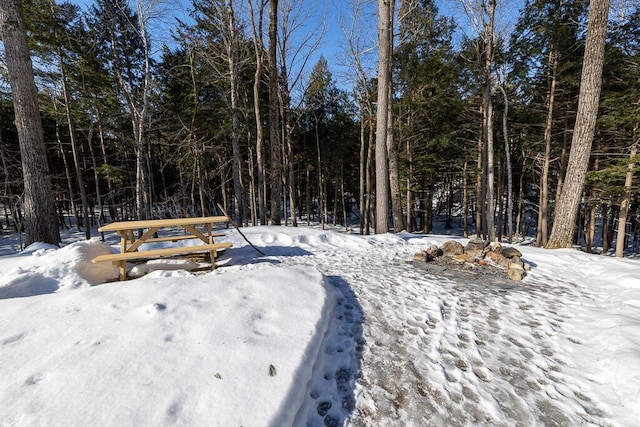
pixel 123 270
pixel 123 248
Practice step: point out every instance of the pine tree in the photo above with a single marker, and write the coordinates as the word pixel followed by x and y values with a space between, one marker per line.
pixel 590 85
pixel 40 217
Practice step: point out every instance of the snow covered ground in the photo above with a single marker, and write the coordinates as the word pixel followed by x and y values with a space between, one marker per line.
pixel 327 329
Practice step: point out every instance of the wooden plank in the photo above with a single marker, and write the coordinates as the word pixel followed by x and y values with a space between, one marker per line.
pixel 157 253
pixel 170 222
pixel 134 246
pixel 179 237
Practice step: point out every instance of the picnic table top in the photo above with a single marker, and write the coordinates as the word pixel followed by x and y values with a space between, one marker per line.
pixel 160 223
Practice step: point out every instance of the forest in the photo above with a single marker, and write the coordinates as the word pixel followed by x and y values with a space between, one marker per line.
pixel 478 123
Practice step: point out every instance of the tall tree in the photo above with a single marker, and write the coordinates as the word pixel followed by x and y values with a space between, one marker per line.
pixel 274 115
pixel 590 85
pixel 232 46
pixel 61 36
pixel 219 40
pixel 489 11
pixel 619 127
pixel 385 48
pixel 427 104
pixel 544 49
pixel 256 16
pixel 357 48
pixel 40 214
pixel 297 42
pixel 123 41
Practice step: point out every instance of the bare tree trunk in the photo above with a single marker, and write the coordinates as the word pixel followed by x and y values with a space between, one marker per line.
pixel 607 215
pixel 252 188
pixel 490 210
pixel 394 171
pixel 409 216
pixel 590 85
pixel 520 213
pixel 201 184
pixel 232 45
pixel 366 122
pixel 563 163
pixel 362 170
pixel 543 214
pixel 626 198
pixel 96 177
pixel 335 202
pixel 345 216
pixel 274 116
pixel 488 122
pixel 325 203
pixel 40 220
pixel 321 205
pixel 140 117
pixel 590 220
pixel 67 175
pixel 385 38
pixel 287 133
pixel 257 43
pixel 369 178
pixel 507 157
pixel 448 183
pixel 72 138
pixel 500 201
pixel 113 213
pixel 480 191
pixel 465 200
pixel 427 221
pixel 75 154
pixel 308 195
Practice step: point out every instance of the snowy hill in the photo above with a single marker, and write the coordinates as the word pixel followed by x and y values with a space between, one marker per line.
pixel 327 329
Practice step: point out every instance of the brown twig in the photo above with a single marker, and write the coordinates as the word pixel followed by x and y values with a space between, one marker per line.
pixel 237 228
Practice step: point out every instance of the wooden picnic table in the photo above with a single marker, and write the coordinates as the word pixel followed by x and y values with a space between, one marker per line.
pixel 130 245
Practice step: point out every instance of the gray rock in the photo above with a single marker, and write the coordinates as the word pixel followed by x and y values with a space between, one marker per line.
pixel 511 252
pixel 475 247
pixel 516 260
pixel 516 272
pixel 421 256
pixel 497 258
pixel 433 251
pixel 452 248
pixel 495 247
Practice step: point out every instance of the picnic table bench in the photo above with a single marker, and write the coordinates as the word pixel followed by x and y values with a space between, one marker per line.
pixel 130 245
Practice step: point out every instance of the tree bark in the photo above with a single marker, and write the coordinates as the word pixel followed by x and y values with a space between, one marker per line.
pixel 321 205
pixel 385 19
pixel 542 231
pixel 480 189
pixel 274 115
pixel 139 118
pixel 392 148
pixel 40 220
pixel 507 157
pixel 232 60
pixel 588 102
pixel 362 170
pixel 488 124
pixel 409 214
pixel 626 198
pixel 465 201
pixel 259 52
pixel 369 175
pixel 563 163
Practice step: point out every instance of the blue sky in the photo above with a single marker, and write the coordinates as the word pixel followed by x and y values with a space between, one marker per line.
pixel 333 16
